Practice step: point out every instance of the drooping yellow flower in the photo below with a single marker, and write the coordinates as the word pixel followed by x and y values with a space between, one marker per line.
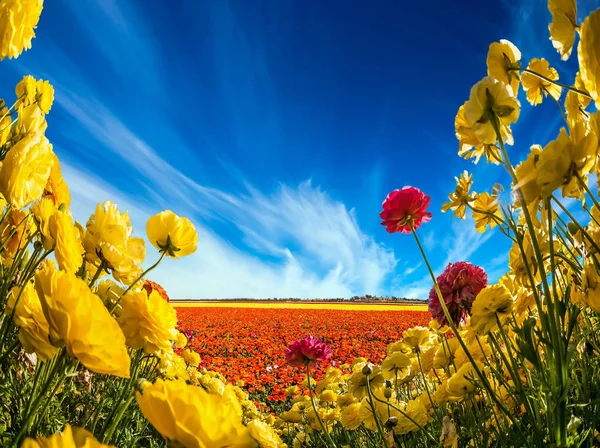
pixel 396 366
pixel 264 435
pixel 565 157
pixel 588 54
pixel 17 224
pixel 34 332
pixel 486 212
pixel 148 321
pixel 26 90
pixel 527 174
pixel 493 303
pixel 537 88
pixel 417 338
pixel 68 249
pixel 460 197
pixel 42 212
pixel 30 120
pixel 108 238
pixel 190 417
pixel 79 320
pixel 18 19
pixel 590 286
pixel 462 382
pixel 26 170
pixel 469 145
pixel 503 63
pixel 575 103
pixel 56 188
pixel 172 234
pixel 69 438
pixel 45 95
pixel 491 100
pixel 517 260
pixel 563 26
pixel 191 358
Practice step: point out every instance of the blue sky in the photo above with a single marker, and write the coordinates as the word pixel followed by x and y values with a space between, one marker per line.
pixel 279 127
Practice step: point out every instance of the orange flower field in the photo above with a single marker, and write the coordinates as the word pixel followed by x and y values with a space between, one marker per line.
pixel 248 344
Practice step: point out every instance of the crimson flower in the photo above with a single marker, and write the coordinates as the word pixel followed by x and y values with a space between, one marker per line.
pixel 459 284
pixel 404 207
pixel 307 351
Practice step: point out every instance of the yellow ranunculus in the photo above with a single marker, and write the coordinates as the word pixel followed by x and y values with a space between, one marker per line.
pixel 537 88
pixel 562 28
pixel 588 53
pixel 590 285
pixel 34 332
pixel 69 438
pixel 26 90
pixel 190 417
pixel 26 170
pixel 416 410
pixel 461 196
pixel 79 319
pixel 45 95
pixel 350 416
pixel 68 249
pixel 148 321
pixel 575 104
pixel 42 212
pixel 490 98
pixel 191 357
pixel 16 221
pixel 265 435
pixel 469 146
pixel 461 383
pixel 527 173
pixel 56 188
pixel 181 341
pixel 502 58
pixel 396 365
pixel 172 234
pixel 494 301
pixel 486 212
pixel 18 19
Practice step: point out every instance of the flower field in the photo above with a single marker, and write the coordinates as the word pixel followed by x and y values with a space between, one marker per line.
pixel 246 344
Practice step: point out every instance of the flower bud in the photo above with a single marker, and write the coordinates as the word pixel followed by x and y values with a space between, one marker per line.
pixel 391 422
pixel 387 393
pixel 367 370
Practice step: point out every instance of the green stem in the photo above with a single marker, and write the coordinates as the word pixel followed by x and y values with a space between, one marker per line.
pixel 98 273
pixel 314 406
pixel 564 86
pixel 143 274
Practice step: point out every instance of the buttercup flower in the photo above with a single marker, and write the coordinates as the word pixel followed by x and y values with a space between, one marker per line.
pixel 459 284
pixel 69 438
pixel 395 366
pixel 491 100
pixel 460 197
pixel 56 188
pixel 469 145
pixel 265 435
pixel 68 249
pixel 494 300
pixel 172 234
pixel 45 95
pixel 461 383
pixel 575 104
pixel 191 357
pixel 537 88
pixel 190 417
pixel 26 90
pixel 307 351
pixel 563 26
pixel 18 19
pixel 589 55
pixel 486 211
pixel 403 208
pixel 418 414
pixel 350 416
pixel 503 63
pixel 26 170
pixel 148 322
pixel 527 174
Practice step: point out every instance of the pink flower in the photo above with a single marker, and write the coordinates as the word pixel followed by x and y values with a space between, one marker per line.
pixel 459 283
pixel 307 351
pixel 403 207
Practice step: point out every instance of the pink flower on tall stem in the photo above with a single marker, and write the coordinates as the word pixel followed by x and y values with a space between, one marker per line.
pixel 404 207
pixel 307 351
pixel 459 284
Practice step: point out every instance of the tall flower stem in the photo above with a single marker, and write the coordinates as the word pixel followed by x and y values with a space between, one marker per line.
pixel 314 406
pixel 142 275
pixel 560 84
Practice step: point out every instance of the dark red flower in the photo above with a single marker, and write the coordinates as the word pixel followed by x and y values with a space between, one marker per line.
pixel 403 207
pixel 307 351
pixel 459 283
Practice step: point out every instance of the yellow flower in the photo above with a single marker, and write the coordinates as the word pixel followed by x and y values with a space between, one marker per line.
pixel 302 440
pixel 172 366
pixel 171 234
pixel 590 285
pixel 181 341
pixel 445 353
pixel 527 174
pixel 68 249
pixel 395 366
pixel 30 120
pixel 493 303
pixel 588 54
pixel 291 417
pixel 148 321
pixel 26 90
pixel 191 357
pixel 26 170
pixel 417 338
pixel 562 28
pixel 42 212
pixel 469 145
pixel 108 238
pixel 461 383
pixel 575 104
pixel 264 434
pixel 45 95
pixel 416 410
pixel 34 331
pixel 56 188
pixel 78 319
pixel 503 63
pixel 460 197
pixel 492 100
pixel 17 224
pixel 69 438
pixel 328 396
pixel 350 416
pixel 486 212
pixel 18 19
pixel 5 124
pixel 565 157
pixel 357 383
pixel 537 88
pixel 190 417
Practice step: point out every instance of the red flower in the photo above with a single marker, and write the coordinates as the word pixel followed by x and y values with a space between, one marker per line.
pixel 307 351
pixel 150 286
pixel 403 207
pixel 459 284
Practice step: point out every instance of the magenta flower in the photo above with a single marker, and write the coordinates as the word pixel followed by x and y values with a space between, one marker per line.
pixel 307 351
pixel 403 208
pixel 459 283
